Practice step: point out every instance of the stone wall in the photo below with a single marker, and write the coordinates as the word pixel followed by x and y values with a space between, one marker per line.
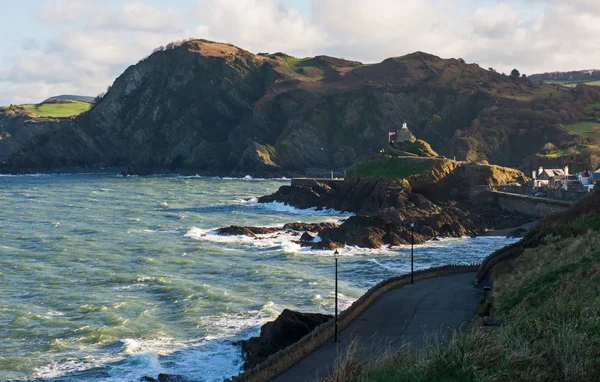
pixel 286 358
pixel 529 205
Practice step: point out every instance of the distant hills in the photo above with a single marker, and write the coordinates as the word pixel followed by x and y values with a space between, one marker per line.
pixel 572 77
pixel 212 108
pixel 70 97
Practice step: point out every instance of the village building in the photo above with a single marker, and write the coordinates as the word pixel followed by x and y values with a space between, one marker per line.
pixel 542 177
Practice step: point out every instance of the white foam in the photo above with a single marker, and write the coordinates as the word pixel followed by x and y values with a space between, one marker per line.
pixel 280 207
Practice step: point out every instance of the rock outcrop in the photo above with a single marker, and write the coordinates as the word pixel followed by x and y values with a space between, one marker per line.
pixel 389 194
pixel 212 108
pixel 276 335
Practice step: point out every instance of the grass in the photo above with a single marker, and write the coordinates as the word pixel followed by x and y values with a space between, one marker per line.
pixel 418 147
pixel 582 128
pixel 573 84
pixel 551 303
pixel 392 168
pixel 303 67
pixel 58 110
pixel 549 299
pixel 593 106
pixel 566 151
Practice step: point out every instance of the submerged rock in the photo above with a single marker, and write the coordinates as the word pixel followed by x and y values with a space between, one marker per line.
pixel 166 378
pixel 276 335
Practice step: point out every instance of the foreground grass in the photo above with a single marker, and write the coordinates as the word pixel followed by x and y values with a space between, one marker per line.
pixel 550 299
pixel 58 110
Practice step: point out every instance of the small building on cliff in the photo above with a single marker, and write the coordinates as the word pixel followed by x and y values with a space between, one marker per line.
pixel 403 134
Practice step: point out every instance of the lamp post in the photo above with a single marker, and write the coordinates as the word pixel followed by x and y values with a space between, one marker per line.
pixel 336 256
pixel 412 252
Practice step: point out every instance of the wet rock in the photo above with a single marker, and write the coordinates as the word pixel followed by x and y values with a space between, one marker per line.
pixel 306 237
pixel 276 335
pixel 246 231
pixel 361 231
pixel 323 244
pixel 427 231
pixel 310 227
pixel 166 378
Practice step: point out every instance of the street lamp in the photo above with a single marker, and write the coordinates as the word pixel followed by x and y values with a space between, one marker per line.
pixel 412 252
pixel 336 256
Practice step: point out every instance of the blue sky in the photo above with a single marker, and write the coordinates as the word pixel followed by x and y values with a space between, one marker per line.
pixel 80 46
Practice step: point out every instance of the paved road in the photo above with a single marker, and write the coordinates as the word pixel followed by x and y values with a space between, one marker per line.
pixel 401 317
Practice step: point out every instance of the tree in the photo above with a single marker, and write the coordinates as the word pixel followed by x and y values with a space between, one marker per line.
pixel 549 147
pixel 515 73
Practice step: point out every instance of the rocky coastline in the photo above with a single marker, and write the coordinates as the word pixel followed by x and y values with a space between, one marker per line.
pixel 384 212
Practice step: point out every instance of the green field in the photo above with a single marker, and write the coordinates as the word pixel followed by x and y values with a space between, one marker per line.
pixel 567 151
pixel 582 128
pixel 58 110
pixel 54 110
pixel 573 84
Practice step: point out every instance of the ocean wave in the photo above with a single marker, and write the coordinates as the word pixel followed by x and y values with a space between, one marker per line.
pixel 280 207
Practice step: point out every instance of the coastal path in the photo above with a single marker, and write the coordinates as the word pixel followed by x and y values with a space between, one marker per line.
pixel 405 316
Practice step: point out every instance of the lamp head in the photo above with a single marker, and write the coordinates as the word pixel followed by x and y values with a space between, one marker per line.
pixel 336 254
pixel 412 225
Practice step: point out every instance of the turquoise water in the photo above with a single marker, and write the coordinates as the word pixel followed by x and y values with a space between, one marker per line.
pixel 112 278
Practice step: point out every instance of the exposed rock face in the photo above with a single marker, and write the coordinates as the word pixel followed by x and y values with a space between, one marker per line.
pixel 276 335
pixel 386 207
pixel 17 131
pixel 212 108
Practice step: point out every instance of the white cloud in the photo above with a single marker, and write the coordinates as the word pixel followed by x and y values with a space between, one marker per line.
pixel 93 42
pixel 259 26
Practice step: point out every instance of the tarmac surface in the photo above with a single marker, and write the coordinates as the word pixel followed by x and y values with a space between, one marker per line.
pixel 407 316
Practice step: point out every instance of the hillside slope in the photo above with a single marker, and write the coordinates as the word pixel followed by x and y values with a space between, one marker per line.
pixel 212 108
pixel 540 318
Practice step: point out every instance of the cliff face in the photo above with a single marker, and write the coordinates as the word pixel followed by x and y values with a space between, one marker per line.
pixel 212 108
pixel 17 131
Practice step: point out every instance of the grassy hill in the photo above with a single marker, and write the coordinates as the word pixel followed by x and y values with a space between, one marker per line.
pixel 549 301
pixel 207 108
pixel 51 109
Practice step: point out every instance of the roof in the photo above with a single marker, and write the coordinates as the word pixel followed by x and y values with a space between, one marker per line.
pixel 548 173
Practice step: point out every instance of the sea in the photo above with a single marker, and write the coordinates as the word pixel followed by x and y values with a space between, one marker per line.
pixel 111 278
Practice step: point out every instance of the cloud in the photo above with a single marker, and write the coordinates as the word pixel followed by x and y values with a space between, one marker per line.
pixel 259 26
pixel 65 11
pixel 93 42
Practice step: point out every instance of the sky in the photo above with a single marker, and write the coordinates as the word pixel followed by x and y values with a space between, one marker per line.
pixel 53 47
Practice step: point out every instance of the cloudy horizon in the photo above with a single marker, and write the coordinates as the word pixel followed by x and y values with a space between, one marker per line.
pixel 81 46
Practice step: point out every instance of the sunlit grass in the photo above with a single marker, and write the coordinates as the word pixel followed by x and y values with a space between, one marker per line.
pixel 58 110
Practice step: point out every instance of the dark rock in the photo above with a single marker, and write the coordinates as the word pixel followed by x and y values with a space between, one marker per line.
pixel 276 335
pixel 323 244
pixel 310 227
pixel 362 231
pixel 247 231
pixel 166 378
pixel 306 237
pixel 518 232
pixel 427 231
